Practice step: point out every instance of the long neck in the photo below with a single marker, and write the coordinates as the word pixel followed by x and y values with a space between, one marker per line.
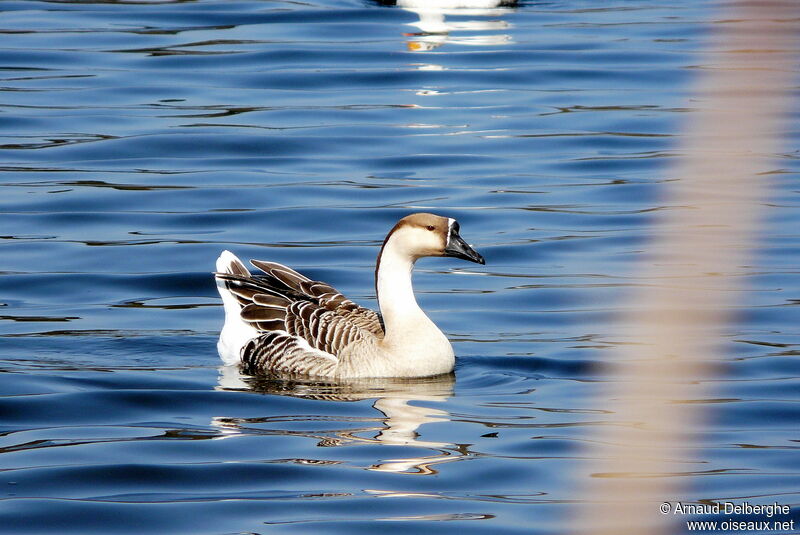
pixel 415 344
pixel 396 299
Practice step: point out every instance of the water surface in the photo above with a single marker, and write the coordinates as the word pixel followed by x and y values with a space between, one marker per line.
pixel 138 140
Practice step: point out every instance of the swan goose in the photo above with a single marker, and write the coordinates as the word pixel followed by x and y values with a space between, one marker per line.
pixel 282 322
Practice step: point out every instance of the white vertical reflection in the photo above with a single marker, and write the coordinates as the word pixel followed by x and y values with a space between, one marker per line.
pixel 395 399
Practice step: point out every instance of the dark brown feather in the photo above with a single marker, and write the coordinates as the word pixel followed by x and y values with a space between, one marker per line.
pixel 254 312
pixel 273 325
pixel 289 277
pixel 237 268
pixel 270 300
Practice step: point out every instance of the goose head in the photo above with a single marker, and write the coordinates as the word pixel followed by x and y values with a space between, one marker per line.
pixel 419 235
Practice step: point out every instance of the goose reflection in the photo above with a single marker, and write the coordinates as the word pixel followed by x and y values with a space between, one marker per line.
pixel 399 423
pixel 434 30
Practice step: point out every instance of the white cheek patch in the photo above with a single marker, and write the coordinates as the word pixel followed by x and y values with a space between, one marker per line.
pixel 450 222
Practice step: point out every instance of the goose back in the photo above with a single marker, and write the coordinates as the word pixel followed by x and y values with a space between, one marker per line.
pixel 302 324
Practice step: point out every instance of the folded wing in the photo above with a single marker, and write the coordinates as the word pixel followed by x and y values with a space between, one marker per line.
pixel 304 323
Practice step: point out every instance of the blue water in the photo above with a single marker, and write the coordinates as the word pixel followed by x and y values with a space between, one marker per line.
pixel 138 140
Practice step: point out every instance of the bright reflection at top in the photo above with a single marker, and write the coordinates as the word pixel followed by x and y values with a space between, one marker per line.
pixel 434 29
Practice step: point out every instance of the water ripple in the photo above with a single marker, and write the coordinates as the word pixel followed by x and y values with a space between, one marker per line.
pixel 138 139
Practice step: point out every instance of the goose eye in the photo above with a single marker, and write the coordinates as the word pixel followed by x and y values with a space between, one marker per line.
pixel 430 227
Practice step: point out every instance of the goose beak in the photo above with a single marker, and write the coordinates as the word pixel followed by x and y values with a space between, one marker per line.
pixel 458 248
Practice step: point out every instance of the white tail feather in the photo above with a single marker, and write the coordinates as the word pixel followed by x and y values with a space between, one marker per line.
pixel 236 332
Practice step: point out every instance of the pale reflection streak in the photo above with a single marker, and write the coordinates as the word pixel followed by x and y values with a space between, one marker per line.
pixel 401 421
pixel 695 260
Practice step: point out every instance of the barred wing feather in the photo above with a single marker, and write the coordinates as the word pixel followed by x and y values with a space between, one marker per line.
pixel 300 319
